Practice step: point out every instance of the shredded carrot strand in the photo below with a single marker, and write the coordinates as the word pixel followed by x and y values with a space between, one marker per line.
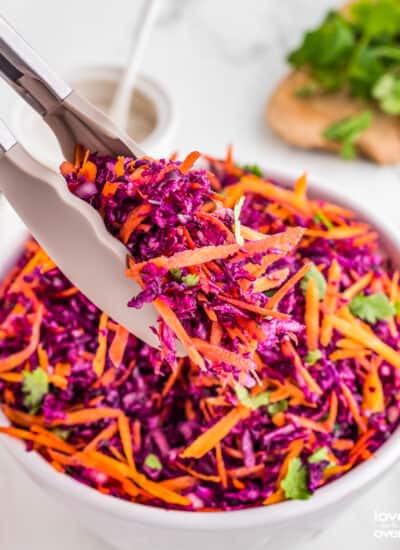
pixel 86 416
pixel 271 281
pixel 126 439
pixel 330 301
pixel 353 407
pixel 134 219
pixel 216 353
pixel 40 439
pixel 118 345
pixel 373 396
pixel 253 184
pixel 189 161
pixel 358 333
pixel 311 316
pixel 358 286
pixel 338 233
pixel 15 359
pixel 100 357
pixel 105 435
pixel 281 293
pixel 221 466
pixel 119 167
pixel 209 439
pixel 253 308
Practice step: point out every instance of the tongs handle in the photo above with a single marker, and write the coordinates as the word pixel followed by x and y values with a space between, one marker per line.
pixel 27 73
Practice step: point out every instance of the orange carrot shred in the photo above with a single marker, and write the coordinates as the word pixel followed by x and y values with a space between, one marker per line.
pixel 253 308
pixel 355 331
pixel 373 396
pixel 86 416
pixel 126 439
pixel 208 439
pixel 189 161
pixel 221 466
pixel 216 353
pixel 100 357
pixel 119 167
pixel 311 316
pixel 118 345
pixel 105 435
pixel 15 359
pixel 279 294
pixel 353 407
pixel 134 219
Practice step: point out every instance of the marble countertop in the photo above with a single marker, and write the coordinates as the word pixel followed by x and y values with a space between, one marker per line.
pixel 219 60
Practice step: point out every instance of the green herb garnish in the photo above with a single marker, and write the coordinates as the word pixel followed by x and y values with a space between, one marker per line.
pixel 314 273
pixel 357 51
pixel 372 308
pixel 347 131
pixel 253 169
pixel 294 485
pixel 321 218
pixel 153 462
pixel 321 455
pixel 61 433
pixel 248 401
pixel 312 357
pixel 35 386
pixel 278 407
pixel 191 279
pixel 176 274
pixel 387 92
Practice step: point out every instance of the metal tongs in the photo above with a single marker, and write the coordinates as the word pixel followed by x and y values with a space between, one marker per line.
pixel 71 232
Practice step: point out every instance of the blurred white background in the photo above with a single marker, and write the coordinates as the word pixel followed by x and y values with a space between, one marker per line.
pixel 219 60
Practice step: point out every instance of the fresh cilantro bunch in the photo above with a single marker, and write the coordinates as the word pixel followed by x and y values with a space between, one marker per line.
pixel 357 51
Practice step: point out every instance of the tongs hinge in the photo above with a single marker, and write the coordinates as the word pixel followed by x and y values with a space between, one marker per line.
pixel 27 73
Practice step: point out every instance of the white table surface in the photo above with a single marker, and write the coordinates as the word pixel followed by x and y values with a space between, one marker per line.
pixel 219 59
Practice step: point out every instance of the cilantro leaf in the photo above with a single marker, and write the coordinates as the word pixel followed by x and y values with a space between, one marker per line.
pixel 152 461
pixel 376 18
pixel 248 401
pixel 321 218
pixel 312 357
pixel 326 46
pixel 191 279
pixel 314 273
pixel 269 293
pixel 61 433
pixel 319 455
pixel 176 274
pixel 363 71
pixel 35 386
pixel 236 220
pixel 372 308
pixel 279 406
pixel 347 131
pixel 387 92
pixel 353 51
pixel 295 485
pixel 253 169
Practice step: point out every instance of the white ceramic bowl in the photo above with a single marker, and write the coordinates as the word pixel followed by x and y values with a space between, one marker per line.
pixel 128 526
pixel 151 122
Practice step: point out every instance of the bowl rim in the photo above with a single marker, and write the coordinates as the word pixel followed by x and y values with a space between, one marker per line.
pixel 350 484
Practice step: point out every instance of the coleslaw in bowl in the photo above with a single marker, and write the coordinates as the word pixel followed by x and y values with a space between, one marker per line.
pixel 324 498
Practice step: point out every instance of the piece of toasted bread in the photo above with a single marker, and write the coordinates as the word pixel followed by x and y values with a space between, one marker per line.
pixel 302 121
